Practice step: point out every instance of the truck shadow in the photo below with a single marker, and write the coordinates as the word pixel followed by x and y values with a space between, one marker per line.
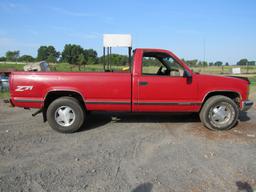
pixel 98 119
pixel 145 187
pixel 243 116
pixel 244 186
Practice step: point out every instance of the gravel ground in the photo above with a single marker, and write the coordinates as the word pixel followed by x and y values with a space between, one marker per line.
pixel 126 152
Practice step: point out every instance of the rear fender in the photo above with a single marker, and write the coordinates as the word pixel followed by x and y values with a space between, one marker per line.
pixel 57 93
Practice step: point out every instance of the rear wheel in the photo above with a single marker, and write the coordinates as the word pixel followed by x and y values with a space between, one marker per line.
pixel 219 113
pixel 65 115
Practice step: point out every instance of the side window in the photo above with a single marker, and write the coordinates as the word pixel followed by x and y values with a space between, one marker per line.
pixel 161 64
pixel 175 68
pixel 150 65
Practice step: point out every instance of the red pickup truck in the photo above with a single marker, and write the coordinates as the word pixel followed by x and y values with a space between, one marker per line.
pixel 158 81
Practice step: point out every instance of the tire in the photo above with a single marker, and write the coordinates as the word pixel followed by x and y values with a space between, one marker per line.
pixel 65 115
pixel 219 113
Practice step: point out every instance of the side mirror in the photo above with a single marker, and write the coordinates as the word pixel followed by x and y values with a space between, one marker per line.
pixel 187 74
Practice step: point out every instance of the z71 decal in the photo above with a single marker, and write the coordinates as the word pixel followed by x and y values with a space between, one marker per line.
pixel 24 88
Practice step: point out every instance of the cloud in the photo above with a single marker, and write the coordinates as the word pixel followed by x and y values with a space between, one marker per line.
pixel 10 6
pixel 71 13
pixel 3 32
pixel 60 28
pixel 104 19
pixel 7 43
pixel 108 20
pixel 188 32
pixel 70 32
pixel 84 36
pixel 11 43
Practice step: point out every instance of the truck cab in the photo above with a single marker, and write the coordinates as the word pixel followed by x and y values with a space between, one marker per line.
pixel 163 82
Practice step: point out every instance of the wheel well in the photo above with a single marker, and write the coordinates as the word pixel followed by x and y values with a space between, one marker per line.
pixel 53 95
pixel 232 95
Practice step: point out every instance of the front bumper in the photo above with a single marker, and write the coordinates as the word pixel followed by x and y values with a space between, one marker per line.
pixel 246 105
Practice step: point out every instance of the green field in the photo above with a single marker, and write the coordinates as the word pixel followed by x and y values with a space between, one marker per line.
pixel 18 67
pixel 4 95
pixel 68 67
pixel 61 67
pixel 224 69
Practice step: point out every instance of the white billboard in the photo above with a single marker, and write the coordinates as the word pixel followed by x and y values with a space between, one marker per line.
pixel 117 40
pixel 236 70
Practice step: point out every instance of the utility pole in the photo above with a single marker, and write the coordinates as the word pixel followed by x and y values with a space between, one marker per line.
pixel 204 48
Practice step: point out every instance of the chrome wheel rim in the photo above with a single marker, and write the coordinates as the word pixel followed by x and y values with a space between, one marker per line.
pixel 221 114
pixel 65 116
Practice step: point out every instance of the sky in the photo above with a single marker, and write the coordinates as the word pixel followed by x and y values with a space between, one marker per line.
pixel 222 30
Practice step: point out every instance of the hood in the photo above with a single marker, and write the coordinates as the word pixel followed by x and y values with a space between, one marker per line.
pixel 209 83
pixel 243 78
pixel 219 77
pixel 222 80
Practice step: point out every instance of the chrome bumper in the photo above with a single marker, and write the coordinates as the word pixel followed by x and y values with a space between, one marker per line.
pixel 246 105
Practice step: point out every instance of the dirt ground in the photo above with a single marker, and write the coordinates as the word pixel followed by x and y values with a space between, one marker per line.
pixel 126 152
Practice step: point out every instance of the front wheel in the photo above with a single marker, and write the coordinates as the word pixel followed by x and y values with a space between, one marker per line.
pixel 219 113
pixel 65 115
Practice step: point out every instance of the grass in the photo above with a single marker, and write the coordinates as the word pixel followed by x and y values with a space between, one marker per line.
pixel 68 67
pixel 252 79
pixel 252 95
pixel 65 67
pixel 17 67
pixel 93 67
pixel 224 69
pixel 4 95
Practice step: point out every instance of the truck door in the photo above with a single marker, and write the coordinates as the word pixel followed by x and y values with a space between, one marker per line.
pixel 163 85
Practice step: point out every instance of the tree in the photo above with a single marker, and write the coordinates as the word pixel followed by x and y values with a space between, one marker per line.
pixel 75 52
pixel 2 58
pixel 119 60
pixel 251 63
pixel 218 63
pixel 192 63
pixel 242 62
pixel 226 64
pixel 199 64
pixel 81 60
pixel 47 53
pixel 204 63
pixel 51 59
pixel 26 58
pixel 52 54
pixel 42 53
pixel 12 55
pixel 90 56
pixel 72 54
pixel 66 53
